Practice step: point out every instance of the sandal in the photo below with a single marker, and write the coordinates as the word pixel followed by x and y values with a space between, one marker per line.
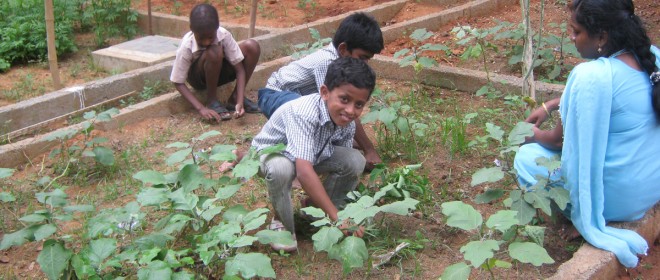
pixel 276 225
pixel 250 106
pixel 221 110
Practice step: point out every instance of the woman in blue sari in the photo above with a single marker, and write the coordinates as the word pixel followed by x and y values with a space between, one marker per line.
pixel 608 135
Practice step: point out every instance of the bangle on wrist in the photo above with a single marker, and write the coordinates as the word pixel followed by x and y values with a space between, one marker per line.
pixel 545 108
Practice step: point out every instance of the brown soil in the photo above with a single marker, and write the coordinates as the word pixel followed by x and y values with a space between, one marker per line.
pixel 449 175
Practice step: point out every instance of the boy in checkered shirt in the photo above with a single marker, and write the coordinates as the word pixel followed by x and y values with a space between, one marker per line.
pixel 318 131
pixel 358 36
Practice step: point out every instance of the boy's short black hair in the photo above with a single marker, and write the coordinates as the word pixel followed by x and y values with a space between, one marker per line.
pixel 349 70
pixel 204 17
pixel 359 31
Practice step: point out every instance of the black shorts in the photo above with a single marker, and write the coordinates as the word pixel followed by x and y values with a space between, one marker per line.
pixel 197 79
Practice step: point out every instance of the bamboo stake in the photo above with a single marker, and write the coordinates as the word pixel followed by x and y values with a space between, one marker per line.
pixel 253 18
pixel 50 38
pixel 528 87
pixel 151 31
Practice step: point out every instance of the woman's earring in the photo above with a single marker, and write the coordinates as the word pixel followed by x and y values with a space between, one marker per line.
pixel 600 49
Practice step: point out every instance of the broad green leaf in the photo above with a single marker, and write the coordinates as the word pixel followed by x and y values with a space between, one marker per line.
pixel 402 207
pixel 153 240
pixel 183 275
pixel 227 233
pixel 457 271
pixel 529 252
pixel 178 145
pixel 525 212
pixel 519 132
pixel 267 236
pixel 183 200
pixel 357 212
pixel 461 215
pixel 34 218
pixel 551 164
pixel 82 268
pixel 242 241
pixel 149 255
pixel 234 213
pixel 255 223
pixel 536 233
pixel 420 34
pixel 79 208
pixel 172 223
pixel 502 220
pixel 206 256
pixel 314 212
pixel 6 172
pixel 104 156
pixel 178 156
pixel 208 134
pixel 489 195
pixel 326 237
pixel 156 270
pixel 401 52
pixel 272 149
pixel 101 249
pixel 487 175
pixel 351 252
pixel 44 231
pixel 190 177
pixel 539 199
pixel 427 62
pixel 56 198
pixel 150 177
pixel 561 196
pixel 223 154
pixel 227 191
pixel 61 135
pixel 153 196
pixel 477 252
pixel 246 168
pixel 211 212
pixel 7 197
pixel 53 259
pixel 250 265
pixel 17 238
pixel 494 131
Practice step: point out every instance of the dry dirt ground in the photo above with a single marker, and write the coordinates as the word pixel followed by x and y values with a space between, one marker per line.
pixel 449 174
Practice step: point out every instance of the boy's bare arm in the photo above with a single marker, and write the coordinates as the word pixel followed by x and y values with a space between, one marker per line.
pixel 370 153
pixel 240 88
pixel 206 113
pixel 312 185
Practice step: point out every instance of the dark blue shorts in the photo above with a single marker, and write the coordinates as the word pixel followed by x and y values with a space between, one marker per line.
pixel 270 100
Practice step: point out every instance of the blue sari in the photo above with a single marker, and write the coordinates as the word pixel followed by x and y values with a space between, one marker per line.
pixel 609 157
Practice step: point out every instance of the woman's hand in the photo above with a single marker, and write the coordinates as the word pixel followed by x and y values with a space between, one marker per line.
pixel 537 117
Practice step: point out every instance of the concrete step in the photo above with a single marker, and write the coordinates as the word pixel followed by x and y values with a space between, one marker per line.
pixel 137 53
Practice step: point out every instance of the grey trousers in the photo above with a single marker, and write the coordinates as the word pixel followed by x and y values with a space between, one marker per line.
pixel 343 169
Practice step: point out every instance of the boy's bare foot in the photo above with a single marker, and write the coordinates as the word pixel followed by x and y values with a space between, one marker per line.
pixel 569 233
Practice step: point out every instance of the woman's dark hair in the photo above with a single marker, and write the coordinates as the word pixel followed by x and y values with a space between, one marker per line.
pixel 359 31
pixel 625 31
pixel 348 70
pixel 204 17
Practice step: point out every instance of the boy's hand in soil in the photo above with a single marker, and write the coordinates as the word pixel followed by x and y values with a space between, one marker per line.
pixel 349 228
pixel 209 114
pixel 240 111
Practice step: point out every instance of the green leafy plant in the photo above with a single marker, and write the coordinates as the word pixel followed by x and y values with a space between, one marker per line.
pixel 303 49
pixel 524 201
pixel 406 181
pixel 413 56
pixel 23 30
pixel 397 132
pixel 179 225
pixel 73 152
pixel 110 18
pixel 501 228
pixel 352 251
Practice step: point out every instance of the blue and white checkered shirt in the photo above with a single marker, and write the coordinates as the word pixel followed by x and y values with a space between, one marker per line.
pixel 306 75
pixel 305 127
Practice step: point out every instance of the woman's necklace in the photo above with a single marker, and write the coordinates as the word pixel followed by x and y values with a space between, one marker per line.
pixel 620 52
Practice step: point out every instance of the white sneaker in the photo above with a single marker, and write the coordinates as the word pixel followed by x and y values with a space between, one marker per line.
pixel 276 225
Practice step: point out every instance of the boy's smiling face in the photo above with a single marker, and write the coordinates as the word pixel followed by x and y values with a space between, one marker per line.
pixel 345 103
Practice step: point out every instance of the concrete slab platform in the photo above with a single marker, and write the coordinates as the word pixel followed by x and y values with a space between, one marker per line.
pixel 137 53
